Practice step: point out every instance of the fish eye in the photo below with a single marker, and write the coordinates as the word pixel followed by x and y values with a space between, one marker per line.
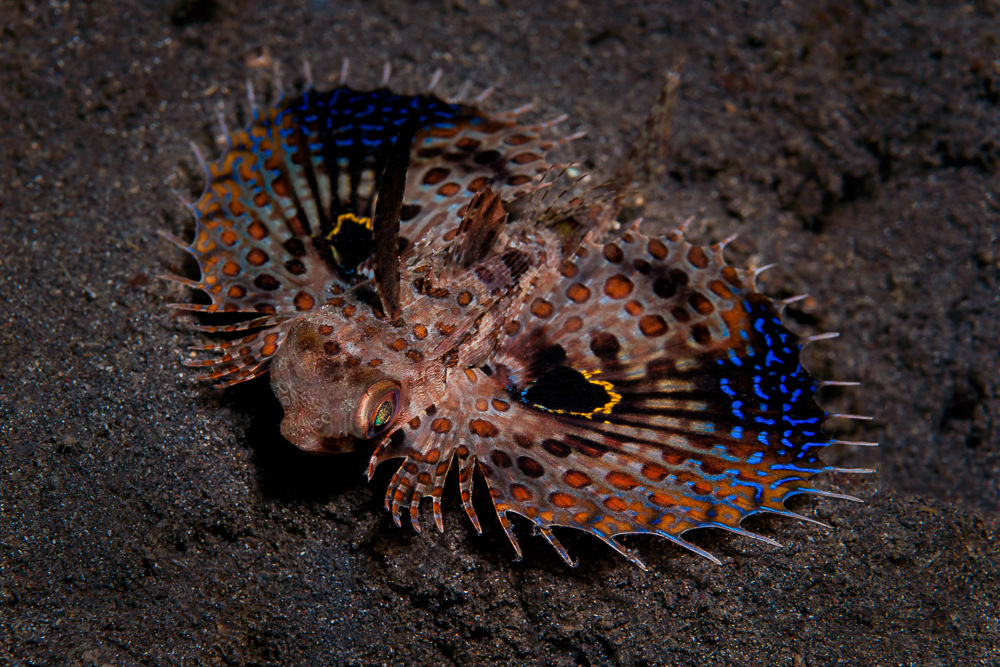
pixel 378 409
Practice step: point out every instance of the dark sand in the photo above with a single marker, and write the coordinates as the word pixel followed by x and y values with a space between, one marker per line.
pixel 148 520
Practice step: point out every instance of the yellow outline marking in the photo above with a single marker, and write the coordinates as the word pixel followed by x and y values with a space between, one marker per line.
pixel 604 409
pixel 341 219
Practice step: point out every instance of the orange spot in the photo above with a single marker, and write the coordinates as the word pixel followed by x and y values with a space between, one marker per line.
pixel 568 269
pixel 578 292
pixel 573 324
pixel 399 345
pixel 304 301
pixel 236 208
pixel 294 224
pixel 482 405
pixel 446 131
pixel 449 189
pixel 257 257
pixel 614 504
pixel 701 303
pixel 520 492
pixel 501 459
pixel 520 179
pixel 415 423
pixel 613 253
pixel 672 458
pixel 731 276
pixel 662 500
pixel 348 310
pixel 541 308
pixel 435 175
pixel 719 288
pixel 500 406
pixel 478 184
pixel 517 139
pixel 374 363
pixel 257 230
pixel 576 479
pixel 653 472
pixel 229 237
pixel 652 326
pixel 698 257
pixel 237 292
pixel 657 249
pixel 618 286
pixel 230 269
pixel 270 345
pixel 420 331
pixel 471 374
pixel 465 298
pixel 525 158
pixel 441 425
pixel 621 480
pixel 560 499
pixel 325 329
pixel 483 428
pixel 260 200
pixel 633 308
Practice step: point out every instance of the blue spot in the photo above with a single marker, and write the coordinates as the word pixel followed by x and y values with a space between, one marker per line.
pixel 778 483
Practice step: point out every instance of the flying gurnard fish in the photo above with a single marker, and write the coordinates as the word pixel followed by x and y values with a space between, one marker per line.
pixel 409 295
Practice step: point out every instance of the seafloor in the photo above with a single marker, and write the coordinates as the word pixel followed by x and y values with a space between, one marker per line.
pixel 148 520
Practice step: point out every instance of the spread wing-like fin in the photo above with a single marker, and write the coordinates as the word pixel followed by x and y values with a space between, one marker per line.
pixel 652 390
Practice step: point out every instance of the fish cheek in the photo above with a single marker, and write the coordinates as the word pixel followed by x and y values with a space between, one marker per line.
pixel 312 383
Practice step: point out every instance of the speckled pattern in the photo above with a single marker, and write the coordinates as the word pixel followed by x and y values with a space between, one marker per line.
pixel 147 520
pixel 610 382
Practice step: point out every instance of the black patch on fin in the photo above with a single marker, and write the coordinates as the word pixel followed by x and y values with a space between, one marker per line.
pixel 385 222
pixel 350 247
pixel 566 390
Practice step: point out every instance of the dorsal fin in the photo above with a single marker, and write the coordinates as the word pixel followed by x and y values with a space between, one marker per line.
pixel 647 159
pixel 385 222
pixel 482 223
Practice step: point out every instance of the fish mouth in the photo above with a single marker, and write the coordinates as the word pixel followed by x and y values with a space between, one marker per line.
pixel 315 436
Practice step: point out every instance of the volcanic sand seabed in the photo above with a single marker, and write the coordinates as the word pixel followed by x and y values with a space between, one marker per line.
pixel 145 519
